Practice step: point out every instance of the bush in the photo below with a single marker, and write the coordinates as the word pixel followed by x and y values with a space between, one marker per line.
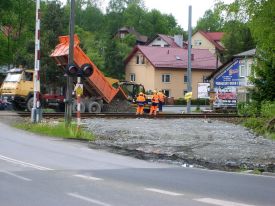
pixel 268 109
pixel 256 123
pixel 248 109
pixel 180 101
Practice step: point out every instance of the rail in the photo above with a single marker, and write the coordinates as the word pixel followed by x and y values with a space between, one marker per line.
pixel 128 115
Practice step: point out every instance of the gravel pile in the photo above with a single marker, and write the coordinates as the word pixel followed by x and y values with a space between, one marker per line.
pixel 203 143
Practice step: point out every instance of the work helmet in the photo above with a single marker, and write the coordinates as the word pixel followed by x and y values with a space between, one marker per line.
pixel 155 91
pixel 140 94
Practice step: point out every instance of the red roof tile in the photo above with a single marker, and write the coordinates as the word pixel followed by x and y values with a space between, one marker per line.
pixel 214 38
pixel 168 39
pixel 165 57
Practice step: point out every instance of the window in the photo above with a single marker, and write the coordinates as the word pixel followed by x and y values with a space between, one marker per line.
pixel 133 77
pixel 185 79
pixel 122 35
pixel 197 42
pixel 28 76
pixel 12 77
pixel 166 78
pixel 204 79
pixel 140 59
pixel 242 72
pixel 166 92
pixel 178 58
pixel 137 59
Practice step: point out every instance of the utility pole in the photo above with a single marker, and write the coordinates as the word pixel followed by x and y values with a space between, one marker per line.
pixel 36 114
pixel 189 72
pixel 68 103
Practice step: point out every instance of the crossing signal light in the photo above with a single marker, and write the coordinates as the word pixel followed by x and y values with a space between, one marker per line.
pixel 71 70
pixel 86 70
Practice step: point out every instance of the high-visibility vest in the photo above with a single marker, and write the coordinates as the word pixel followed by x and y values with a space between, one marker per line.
pixel 161 96
pixel 155 98
pixel 140 100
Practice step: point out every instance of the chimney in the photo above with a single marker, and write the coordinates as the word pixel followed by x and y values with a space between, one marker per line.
pixel 178 39
pixel 192 57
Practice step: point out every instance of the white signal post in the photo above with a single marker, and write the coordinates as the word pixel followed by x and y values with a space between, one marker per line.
pixel 36 114
pixel 78 96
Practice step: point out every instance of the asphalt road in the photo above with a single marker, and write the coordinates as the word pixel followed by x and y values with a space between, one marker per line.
pixel 40 171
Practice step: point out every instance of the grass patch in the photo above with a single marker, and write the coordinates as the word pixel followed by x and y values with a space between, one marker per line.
pixel 272 136
pixel 57 130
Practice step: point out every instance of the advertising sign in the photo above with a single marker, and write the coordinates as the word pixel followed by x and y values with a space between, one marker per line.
pixel 229 77
pixel 203 90
pixel 225 97
pixel 225 86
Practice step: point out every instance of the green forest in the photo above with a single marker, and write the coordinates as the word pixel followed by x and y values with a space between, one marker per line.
pixel 247 24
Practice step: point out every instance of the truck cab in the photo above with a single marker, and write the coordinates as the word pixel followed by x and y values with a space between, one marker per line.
pixel 17 87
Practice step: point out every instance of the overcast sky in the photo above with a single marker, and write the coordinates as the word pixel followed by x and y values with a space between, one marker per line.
pixel 179 8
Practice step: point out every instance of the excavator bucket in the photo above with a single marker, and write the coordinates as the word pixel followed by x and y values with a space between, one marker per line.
pixel 97 81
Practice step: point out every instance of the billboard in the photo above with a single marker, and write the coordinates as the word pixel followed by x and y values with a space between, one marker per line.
pixel 203 90
pixel 229 77
pixel 225 97
pixel 225 86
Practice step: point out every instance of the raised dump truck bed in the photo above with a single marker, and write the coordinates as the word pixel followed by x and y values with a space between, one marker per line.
pixel 99 95
pixel 97 81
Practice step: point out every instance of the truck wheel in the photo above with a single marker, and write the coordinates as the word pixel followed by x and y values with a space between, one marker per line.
pixel 82 107
pixel 94 107
pixel 30 104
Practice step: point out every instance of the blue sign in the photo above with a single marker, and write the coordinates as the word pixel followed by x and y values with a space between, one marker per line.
pixel 229 77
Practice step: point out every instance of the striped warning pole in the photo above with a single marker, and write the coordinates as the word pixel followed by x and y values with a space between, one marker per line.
pixel 36 110
pixel 78 105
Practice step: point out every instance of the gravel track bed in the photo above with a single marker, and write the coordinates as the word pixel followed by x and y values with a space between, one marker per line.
pixel 204 143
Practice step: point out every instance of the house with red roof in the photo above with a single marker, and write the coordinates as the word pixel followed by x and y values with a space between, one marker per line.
pixel 123 31
pixel 165 68
pixel 162 40
pixel 210 41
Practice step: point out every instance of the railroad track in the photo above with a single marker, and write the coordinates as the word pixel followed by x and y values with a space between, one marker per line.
pixel 128 115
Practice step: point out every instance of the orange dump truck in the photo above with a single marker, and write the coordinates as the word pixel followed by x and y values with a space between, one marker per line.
pixel 99 95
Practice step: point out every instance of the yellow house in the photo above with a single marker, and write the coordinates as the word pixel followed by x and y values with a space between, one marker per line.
pixel 165 68
pixel 210 41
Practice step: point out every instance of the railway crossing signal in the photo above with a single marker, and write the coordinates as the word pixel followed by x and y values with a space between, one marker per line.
pixel 71 70
pixel 85 70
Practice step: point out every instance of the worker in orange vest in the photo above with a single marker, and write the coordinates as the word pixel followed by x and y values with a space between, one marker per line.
pixel 155 101
pixel 161 99
pixel 140 103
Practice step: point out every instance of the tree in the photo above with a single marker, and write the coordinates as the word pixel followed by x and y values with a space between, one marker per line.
pixel 134 16
pixel 259 15
pixel 54 23
pixel 237 38
pixel 93 46
pixel 114 61
pixel 262 27
pixel 211 21
pixel 19 17
pixel 264 80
